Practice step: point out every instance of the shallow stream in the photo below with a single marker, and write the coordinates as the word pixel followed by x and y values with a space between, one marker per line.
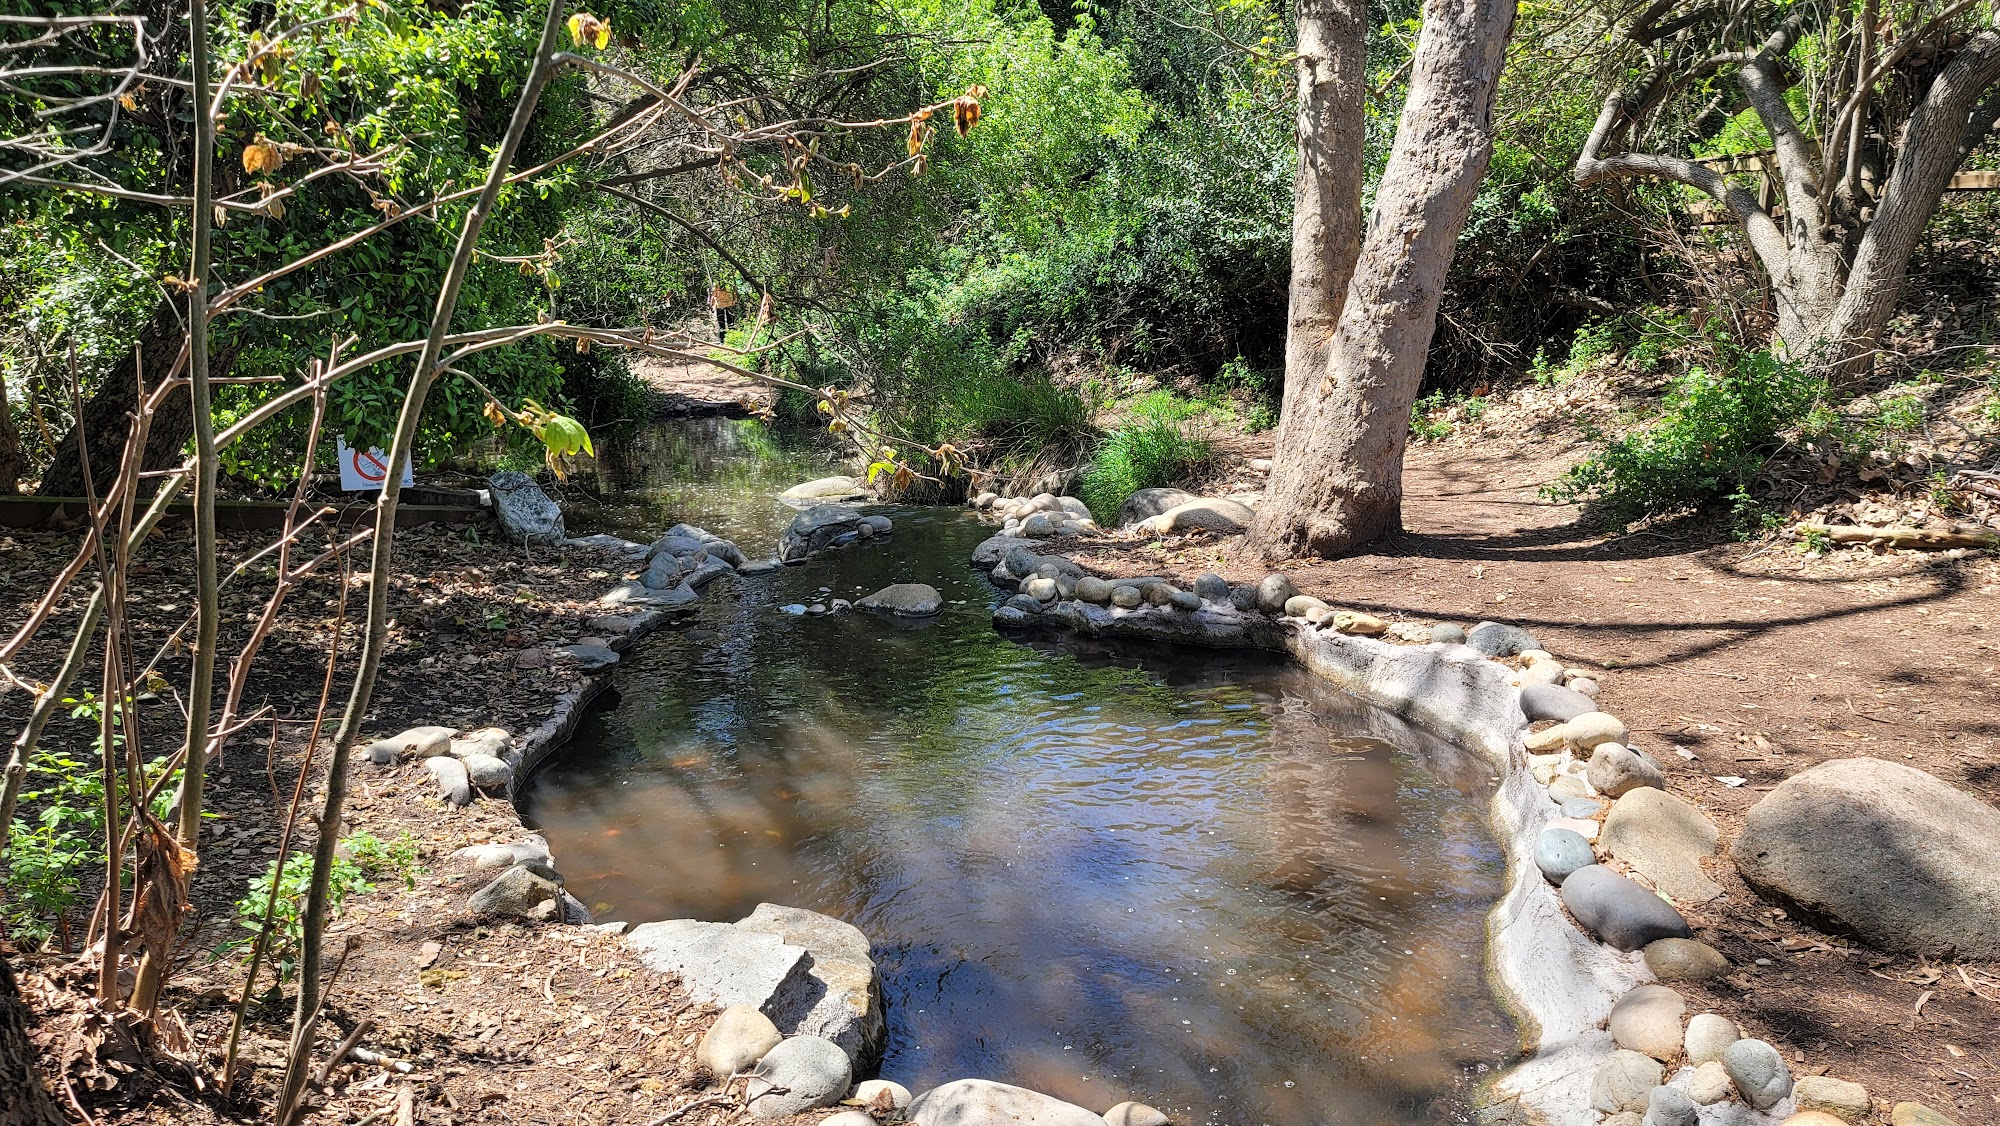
pixel 1204 880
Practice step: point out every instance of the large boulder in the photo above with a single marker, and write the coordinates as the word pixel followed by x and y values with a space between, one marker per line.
pixel 525 512
pixel 1884 851
pixel 905 600
pixel 824 489
pixel 846 1005
pixel 981 1102
pixel 1203 514
pixel 809 973
pixel 820 527
pixel 1148 503
pixel 993 549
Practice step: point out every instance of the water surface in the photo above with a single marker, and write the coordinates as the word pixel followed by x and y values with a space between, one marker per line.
pixel 1204 880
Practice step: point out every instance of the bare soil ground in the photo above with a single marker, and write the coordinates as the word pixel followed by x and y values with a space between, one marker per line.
pixel 497 1021
pixel 1757 661
pixel 695 388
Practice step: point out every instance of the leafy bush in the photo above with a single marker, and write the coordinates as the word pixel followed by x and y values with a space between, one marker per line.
pixel 1160 445
pixel 288 910
pixel 1715 431
pixel 57 835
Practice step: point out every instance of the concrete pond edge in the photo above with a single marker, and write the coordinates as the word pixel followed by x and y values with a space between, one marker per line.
pixel 1559 982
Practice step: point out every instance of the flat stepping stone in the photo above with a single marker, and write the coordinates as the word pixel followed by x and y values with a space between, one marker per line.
pixel 1664 839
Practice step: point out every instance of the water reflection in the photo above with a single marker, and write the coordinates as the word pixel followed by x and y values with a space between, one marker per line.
pixel 1203 880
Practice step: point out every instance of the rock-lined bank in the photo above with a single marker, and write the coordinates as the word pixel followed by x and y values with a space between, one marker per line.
pixel 1574 941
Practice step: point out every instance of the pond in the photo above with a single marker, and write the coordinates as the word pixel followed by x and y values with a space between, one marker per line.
pixel 1204 880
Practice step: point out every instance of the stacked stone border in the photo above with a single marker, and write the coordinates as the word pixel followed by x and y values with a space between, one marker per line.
pixel 1562 983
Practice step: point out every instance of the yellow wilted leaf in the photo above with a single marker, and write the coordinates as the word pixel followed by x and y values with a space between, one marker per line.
pixel 586 28
pixel 128 101
pixel 261 155
pixel 965 111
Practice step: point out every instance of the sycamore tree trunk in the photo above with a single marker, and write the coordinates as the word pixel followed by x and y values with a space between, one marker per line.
pixel 1332 66
pixel 1337 481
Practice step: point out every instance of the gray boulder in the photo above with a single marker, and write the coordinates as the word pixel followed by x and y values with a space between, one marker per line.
pixel 1026 603
pixel 844 1001
pixel 488 772
pixel 679 543
pixel 1273 592
pixel 818 528
pixel 1759 1072
pixel 798 1075
pixel 905 600
pixel 1244 597
pixel 1212 587
pixel 1448 634
pixel 1616 770
pixel 993 549
pixel 1663 839
pixel 1553 701
pixel 1668 1107
pixel 525 512
pixel 981 1102
pixel 662 573
pixel 453 783
pixel 1496 640
pixel 523 892
pixel 1619 911
pixel 721 964
pixel 1127 596
pixel 1558 852
pixel 1094 590
pixel 1883 851
pixel 1148 503
pixel 589 658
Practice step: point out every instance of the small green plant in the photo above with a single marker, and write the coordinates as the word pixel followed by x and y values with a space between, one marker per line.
pixel 288 910
pixel 58 834
pixel 1544 373
pixel 379 859
pixel 1426 418
pixel 1815 541
pixel 1593 342
pixel 1715 431
pixel 1158 446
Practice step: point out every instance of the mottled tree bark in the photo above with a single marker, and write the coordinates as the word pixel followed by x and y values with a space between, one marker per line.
pixel 1332 66
pixel 23 1100
pixel 11 464
pixel 1338 482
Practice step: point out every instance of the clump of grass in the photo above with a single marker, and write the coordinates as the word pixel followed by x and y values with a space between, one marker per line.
pixel 1160 444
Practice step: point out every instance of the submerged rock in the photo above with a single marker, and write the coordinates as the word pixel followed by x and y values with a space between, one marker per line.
pixel 905 600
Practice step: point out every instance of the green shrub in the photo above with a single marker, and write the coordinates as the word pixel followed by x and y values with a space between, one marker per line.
pixel 1159 445
pixel 288 910
pixel 1715 431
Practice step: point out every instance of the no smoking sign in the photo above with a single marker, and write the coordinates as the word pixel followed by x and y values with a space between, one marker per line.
pixel 364 470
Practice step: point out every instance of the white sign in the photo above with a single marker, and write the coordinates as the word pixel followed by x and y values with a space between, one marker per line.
pixel 363 470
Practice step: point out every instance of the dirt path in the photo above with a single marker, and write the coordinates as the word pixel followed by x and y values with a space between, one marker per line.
pixel 690 388
pixel 1758 663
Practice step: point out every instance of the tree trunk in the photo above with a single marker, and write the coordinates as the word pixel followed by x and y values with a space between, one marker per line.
pixel 1332 70
pixel 23 1100
pixel 106 415
pixel 1940 133
pixel 11 463
pixel 1338 483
